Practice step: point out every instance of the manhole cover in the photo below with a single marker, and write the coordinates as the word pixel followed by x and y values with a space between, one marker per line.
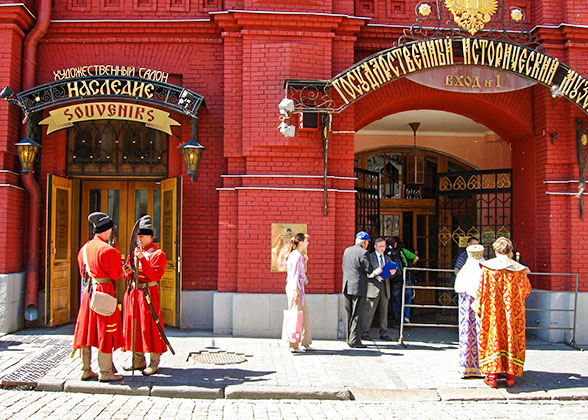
pixel 217 357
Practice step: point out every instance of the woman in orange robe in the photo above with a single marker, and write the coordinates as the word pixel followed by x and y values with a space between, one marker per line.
pixel 500 303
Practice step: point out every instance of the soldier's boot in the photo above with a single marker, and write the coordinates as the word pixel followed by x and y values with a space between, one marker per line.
pixel 86 364
pixel 138 362
pixel 153 364
pixel 107 368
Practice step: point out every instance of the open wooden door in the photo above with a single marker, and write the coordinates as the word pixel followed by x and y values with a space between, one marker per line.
pixel 170 284
pixel 59 260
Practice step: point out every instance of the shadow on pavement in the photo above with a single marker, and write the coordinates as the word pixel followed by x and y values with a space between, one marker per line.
pixel 5 345
pixel 344 352
pixel 533 379
pixel 207 378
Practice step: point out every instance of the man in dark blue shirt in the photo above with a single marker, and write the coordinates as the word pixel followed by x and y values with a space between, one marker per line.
pixel 461 260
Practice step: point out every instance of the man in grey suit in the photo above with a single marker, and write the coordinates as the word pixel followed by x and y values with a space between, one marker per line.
pixel 378 293
pixel 356 267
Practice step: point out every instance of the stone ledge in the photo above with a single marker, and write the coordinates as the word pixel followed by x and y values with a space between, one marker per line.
pixel 95 387
pixel 568 394
pixel 371 394
pixel 522 393
pixel 186 391
pixel 50 384
pixel 470 394
pixel 285 393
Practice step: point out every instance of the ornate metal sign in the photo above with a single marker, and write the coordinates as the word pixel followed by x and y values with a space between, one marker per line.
pixel 111 87
pixel 472 15
pixel 479 33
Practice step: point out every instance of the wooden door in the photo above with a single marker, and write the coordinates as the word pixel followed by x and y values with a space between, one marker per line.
pixel 110 197
pixel 59 255
pixel 170 285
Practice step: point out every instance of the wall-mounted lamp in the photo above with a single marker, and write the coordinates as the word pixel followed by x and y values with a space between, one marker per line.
pixel 286 107
pixel 27 149
pixel 553 136
pixel 192 154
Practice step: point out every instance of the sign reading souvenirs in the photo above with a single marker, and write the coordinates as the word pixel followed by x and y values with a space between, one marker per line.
pixel 65 117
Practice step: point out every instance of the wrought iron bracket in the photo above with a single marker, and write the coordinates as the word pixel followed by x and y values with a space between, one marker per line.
pixel 325 123
pixel 582 157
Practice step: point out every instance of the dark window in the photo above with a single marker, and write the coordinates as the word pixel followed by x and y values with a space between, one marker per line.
pixel 116 148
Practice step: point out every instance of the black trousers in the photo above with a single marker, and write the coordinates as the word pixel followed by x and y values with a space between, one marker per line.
pixel 354 306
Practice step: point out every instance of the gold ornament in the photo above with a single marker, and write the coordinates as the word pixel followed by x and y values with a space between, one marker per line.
pixel 516 15
pixel 584 139
pixel 472 15
pixel 424 9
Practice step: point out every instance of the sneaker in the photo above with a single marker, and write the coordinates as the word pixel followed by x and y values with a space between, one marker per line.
pixel 406 320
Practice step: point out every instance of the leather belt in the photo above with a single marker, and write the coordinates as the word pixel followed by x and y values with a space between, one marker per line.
pixel 102 281
pixel 145 285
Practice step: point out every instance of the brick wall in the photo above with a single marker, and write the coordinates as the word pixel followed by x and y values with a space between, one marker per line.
pixel 14 22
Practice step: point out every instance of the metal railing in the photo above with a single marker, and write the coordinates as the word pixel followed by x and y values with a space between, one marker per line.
pixel 455 307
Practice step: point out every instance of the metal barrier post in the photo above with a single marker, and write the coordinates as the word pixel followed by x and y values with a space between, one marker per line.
pixel 442 270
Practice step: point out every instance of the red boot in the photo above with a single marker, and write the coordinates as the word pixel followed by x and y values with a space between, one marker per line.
pixel 510 379
pixel 491 381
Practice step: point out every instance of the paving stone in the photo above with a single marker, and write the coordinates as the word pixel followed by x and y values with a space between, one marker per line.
pixel 285 392
pixel 520 393
pixel 470 394
pixel 186 391
pixel 568 393
pixel 50 384
pixel 95 387
pixel 373 394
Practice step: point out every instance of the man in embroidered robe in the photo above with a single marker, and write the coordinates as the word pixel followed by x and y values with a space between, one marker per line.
pixel 137 315
pixel 500 303
pixel 101 266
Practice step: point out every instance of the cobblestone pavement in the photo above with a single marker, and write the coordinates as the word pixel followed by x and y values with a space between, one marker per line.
pixel 426 370
pixel 69 406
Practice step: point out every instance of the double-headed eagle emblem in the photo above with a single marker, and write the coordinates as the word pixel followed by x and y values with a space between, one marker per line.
pixel 472 15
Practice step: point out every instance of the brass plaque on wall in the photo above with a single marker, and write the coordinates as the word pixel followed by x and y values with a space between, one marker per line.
pixel 281 235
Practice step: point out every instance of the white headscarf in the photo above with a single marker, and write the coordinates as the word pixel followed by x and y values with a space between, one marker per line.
pixel 468 278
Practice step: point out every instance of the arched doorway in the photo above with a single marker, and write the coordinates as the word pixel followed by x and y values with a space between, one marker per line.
pixel 435 188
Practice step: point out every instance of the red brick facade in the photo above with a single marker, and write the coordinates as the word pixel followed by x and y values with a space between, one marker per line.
pixel 237 53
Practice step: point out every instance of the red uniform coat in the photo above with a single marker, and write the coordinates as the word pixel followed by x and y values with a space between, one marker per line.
pixel 103 332
pixel 147 337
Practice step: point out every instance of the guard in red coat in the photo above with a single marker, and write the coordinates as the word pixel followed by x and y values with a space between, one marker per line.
pixel 100 266
pixel 138 324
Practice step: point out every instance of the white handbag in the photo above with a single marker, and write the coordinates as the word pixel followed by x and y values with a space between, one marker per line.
pixel 100 302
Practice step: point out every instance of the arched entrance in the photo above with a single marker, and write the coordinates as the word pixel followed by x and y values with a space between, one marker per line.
pixel 434 190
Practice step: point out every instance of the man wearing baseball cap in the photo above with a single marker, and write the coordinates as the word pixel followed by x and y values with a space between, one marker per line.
pixel 356 267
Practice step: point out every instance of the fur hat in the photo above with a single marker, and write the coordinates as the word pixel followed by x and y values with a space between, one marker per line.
pixel 146 226
pixel 101 221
